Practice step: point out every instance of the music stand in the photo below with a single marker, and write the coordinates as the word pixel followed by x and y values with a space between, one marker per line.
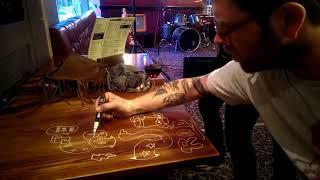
pixel 136 45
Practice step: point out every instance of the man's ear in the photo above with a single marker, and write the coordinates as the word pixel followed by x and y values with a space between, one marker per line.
pixel 288 19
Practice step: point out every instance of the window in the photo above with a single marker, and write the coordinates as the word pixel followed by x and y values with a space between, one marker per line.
pixel 68 8
pixel 95 5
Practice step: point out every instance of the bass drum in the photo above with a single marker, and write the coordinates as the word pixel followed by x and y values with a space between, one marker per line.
pixel 186 39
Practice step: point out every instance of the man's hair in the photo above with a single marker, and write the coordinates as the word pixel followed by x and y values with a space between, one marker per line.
pixel 262 9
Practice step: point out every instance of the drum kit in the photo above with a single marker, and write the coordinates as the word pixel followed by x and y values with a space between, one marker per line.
pixel 188 33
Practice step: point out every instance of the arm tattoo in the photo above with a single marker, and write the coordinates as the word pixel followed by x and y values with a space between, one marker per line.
pixel 159 92
pixel 198 86
pixel 185 86
pixel 174 99
pixel 174 85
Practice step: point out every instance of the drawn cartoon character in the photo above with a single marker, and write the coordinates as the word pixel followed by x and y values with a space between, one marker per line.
pixel 148 142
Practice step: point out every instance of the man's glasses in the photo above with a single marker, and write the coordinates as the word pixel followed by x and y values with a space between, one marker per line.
pixel 224 29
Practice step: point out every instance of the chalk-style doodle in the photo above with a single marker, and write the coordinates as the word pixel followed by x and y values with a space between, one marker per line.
pixel 181 124
pixel 100 139
pixel 68 147
pixel 57 139
pixel 103 156
pixel 61 135
pixel 148 142
pixel 188 145
pixel 154 120
pixel 184 124
pixel 61 130
pixel 185 133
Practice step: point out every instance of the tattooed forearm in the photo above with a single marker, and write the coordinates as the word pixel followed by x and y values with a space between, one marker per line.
pixel 198 86
pixel 174 85
pixel 185 86
pixel 159 92
pixel 174 99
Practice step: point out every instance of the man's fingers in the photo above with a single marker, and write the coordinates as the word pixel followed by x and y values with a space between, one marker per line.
pixel 106 107
pixel 107 99
pixel 107 116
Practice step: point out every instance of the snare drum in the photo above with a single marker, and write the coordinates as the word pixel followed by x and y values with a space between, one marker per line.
pixel 167 30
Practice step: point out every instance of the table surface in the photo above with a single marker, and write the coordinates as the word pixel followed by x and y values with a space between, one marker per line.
pixel 55 140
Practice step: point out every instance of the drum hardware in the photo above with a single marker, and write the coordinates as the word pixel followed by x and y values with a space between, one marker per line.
pixel 166 31
pixel 180 20
pixel 205 39
pixel 164 35
pixel 202 23
pixel 136 45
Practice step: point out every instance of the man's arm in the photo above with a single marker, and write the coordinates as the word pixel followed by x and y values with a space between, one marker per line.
pixel 171 94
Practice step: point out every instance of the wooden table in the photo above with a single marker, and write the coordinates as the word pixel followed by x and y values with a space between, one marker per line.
pixel 56 141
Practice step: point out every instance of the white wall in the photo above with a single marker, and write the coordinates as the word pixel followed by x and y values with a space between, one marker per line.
pixel 24 45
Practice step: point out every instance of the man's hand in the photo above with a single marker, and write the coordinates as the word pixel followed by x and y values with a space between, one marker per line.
pixel 115 106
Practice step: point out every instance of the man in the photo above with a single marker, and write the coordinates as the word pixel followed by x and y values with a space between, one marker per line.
pixel 275 44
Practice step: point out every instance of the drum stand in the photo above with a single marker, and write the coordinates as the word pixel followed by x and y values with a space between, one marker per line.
pixel 163 42
pixel 205 40
pixel 136 45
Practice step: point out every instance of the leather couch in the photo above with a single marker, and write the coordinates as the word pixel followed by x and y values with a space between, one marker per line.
pixel 71 36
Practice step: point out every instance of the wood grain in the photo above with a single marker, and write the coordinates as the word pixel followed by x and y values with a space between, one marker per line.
pixel 28 152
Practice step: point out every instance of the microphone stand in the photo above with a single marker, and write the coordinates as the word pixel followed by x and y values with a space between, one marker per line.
pixel 136 45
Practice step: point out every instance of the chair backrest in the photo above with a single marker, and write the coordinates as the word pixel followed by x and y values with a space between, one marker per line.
pixel 197 66
pixel 71 36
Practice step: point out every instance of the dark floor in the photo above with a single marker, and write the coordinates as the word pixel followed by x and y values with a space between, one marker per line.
pixel 261 137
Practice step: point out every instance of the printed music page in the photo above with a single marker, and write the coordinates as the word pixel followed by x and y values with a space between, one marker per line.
pixel 109 37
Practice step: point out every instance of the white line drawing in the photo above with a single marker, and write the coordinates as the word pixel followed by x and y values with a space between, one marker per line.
pixel 61 135
pixel 57 139
pixel 102 156
pixel 68 147
pixel 188 145
pixel 61 130
pixel 148 142
pixel 187 130
pixel 181 124
pixel 100 139
pixel 139 121
pixel 185 133
pixel 185 124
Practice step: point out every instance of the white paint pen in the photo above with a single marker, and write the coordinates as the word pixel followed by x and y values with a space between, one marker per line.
pixel 98 115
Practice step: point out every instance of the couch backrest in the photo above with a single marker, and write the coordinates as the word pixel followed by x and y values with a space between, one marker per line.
pixel 71 36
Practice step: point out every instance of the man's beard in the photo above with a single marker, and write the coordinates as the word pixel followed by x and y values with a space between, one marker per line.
pixel 272 54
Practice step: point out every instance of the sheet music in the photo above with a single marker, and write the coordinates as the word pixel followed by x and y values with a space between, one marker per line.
pixel 109 37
